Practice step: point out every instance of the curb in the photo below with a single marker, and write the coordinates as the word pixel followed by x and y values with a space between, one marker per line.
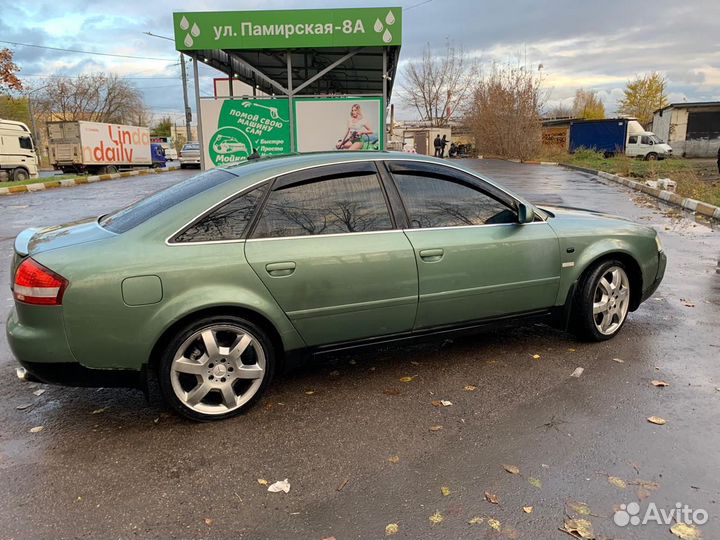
pixel 693 205
pixel 80 180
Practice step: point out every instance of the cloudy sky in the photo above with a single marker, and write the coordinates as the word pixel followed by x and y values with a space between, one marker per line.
pixel 593 45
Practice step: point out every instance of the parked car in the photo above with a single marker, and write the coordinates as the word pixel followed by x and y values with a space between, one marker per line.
pixel 217 282
pixel 190 156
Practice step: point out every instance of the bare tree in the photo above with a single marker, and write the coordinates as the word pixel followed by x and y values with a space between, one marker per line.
pixel 559 111
pixel 505 114
pixel 437 85
pixel 95 97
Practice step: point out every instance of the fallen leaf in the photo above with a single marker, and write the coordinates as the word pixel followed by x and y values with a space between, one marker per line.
pixel 512 469
pixel 262 481
pixel 435 428
pixel 445 491
pixel 578 371
pixel 685 531
pixel 310 392
pixel 576 507
pixel 470 388
pixel 23 407
pixel 436 403
pixel 280 485
pixel 39 392
pixel 571 350
pixel 536 357
pixel 437 518
pixel 528 509
pixel 477 520
pixel 36 429
pixel 391 392
pixel 394 459
pixel 407 379
pixel 645 488
pixel 657 420
pixel 659 384
pixel 208 522
pixel 391 528
pixel 509 532
pixel 618 360
pixel 492 498
pixel 98 411
pixel 494 523
pixel 579 528
pixel 445 402
pixel 535 482
pixel 617 482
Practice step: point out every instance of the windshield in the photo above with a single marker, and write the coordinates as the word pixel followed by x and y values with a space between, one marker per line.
pixel 142 210
pixel 655 139
pixel 191 147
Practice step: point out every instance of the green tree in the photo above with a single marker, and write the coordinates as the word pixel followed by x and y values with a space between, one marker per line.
pixel 15 109
pixel 8 69
pixel 163 127
pixel 587 105
pixel 644 95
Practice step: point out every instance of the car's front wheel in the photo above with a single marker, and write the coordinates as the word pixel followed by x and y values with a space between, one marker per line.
pixel 602 301
pixel 216 368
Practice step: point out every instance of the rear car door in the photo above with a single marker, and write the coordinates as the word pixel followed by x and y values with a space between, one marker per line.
pixel 327 248
pixel 475 261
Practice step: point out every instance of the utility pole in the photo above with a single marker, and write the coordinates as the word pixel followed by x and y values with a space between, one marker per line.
pixel 188 112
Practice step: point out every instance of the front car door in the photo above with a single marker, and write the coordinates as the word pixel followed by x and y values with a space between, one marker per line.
pixel 475 261
pixel 327 248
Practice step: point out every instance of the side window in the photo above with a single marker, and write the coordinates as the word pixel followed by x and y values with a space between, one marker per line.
pixel 25 143
pixel 645 139
pixel 632 139
pixel 436 202
pixel 331 206
pixel 225 223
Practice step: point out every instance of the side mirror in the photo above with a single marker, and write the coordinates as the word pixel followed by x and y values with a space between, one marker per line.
pixel 525 213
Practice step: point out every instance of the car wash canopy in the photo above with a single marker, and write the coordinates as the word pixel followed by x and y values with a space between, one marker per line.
pixel 335 66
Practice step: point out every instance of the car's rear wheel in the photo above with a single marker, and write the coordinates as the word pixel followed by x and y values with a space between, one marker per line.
pixel 216 368
pixel 602 301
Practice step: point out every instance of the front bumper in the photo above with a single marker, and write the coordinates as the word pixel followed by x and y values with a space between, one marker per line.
pixel 662 264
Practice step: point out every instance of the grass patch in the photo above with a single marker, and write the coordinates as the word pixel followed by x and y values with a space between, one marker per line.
pixel 696 178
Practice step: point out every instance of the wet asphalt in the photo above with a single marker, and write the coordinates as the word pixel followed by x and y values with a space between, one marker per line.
pixel 356 443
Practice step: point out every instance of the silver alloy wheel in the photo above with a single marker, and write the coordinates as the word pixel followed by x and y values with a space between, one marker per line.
pixel 611 300
pixel 218 369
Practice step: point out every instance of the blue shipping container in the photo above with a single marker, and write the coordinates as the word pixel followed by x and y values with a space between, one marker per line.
pixel 607 136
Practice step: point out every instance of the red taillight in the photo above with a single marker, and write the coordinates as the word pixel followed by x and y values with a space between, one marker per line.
pixel 35 284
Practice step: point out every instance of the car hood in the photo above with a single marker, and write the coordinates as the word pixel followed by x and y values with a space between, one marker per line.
pixel 562 212
pixel 35 240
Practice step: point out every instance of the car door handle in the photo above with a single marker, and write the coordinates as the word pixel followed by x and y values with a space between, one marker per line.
pixel 280 269
pixel 431 255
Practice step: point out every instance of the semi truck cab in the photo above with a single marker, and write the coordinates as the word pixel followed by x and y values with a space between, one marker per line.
pixel 18 158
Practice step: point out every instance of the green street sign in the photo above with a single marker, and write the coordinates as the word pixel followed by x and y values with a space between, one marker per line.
pixel 288 29
pixel 232 129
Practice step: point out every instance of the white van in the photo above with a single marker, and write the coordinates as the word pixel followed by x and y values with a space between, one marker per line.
pixel 645 144
pixel 18 159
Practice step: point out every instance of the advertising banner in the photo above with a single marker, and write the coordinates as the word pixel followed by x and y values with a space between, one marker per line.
pixel 324 124
pixel 114 143
pixel 235 128
pixel 288 29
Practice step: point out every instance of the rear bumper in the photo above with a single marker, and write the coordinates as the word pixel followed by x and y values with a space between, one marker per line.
pixel 37 340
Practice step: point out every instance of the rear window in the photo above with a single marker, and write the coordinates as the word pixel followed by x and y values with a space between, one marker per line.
pixel 191 147
pixel 142 210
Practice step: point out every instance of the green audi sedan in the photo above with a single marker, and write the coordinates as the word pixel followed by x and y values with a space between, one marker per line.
pixel 213 284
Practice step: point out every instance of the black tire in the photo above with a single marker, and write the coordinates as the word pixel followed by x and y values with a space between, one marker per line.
pixel 182 166
pixel 20 175
pixel 176 343
pixel 652 156
pixel 583 322
pixel 112 169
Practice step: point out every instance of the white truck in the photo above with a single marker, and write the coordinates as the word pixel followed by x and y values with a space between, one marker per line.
pixel 98 148
pixel 18 159
pixel 614 136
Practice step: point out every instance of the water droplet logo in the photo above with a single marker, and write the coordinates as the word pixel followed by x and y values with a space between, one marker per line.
pixel 194 31
pixel 379 26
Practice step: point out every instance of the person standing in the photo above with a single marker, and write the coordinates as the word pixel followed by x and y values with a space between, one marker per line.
pixel 443 144
pixel 437 143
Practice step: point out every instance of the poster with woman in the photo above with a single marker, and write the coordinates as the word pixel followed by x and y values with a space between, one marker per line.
pixel 326 124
